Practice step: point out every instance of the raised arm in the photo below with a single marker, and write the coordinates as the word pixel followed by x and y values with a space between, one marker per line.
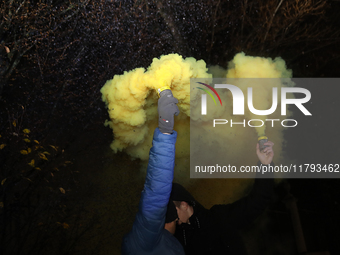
pixel 157 189
pixel 150 219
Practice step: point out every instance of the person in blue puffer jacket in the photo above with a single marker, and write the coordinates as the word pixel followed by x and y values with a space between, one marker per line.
pixel 152 232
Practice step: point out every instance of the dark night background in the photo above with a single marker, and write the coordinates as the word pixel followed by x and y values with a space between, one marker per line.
pixel 56 55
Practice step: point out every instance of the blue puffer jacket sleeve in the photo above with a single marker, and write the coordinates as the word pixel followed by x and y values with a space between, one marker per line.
pixel 149 222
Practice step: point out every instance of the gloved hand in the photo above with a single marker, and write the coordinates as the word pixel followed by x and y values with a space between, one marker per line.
pixel 167 108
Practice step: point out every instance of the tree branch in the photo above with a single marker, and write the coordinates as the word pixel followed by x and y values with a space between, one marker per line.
pixel 270 24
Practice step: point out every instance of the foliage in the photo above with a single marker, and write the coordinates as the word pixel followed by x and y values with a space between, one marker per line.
pixel 36 211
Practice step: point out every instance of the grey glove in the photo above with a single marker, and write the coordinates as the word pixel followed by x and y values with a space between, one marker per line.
pixel 167 108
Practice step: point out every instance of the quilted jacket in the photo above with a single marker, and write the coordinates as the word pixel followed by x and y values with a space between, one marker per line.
pixel 148 235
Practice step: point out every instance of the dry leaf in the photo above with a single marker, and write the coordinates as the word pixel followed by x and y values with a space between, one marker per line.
pixel 36 141
pixel 3 181
pixel 26 131
pixel 42 156
pixel 14 123
pixel 27 140
pixel 54 147
pixel 2 146
pixel 31 163
pixel 38 168
pixel 65 225
pixel 62 190
pixel 1 205
pixel 24 152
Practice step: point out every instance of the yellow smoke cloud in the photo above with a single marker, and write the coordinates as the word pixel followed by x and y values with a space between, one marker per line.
pixel 248 68
pixel 131 100
pixel 256 67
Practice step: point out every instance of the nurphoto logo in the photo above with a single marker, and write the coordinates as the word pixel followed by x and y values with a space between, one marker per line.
pixel 238 104
pixel 238 99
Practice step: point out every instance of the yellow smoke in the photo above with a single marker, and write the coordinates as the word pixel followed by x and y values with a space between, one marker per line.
pixel 248 68
pixel 131 100
pixel 256 67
